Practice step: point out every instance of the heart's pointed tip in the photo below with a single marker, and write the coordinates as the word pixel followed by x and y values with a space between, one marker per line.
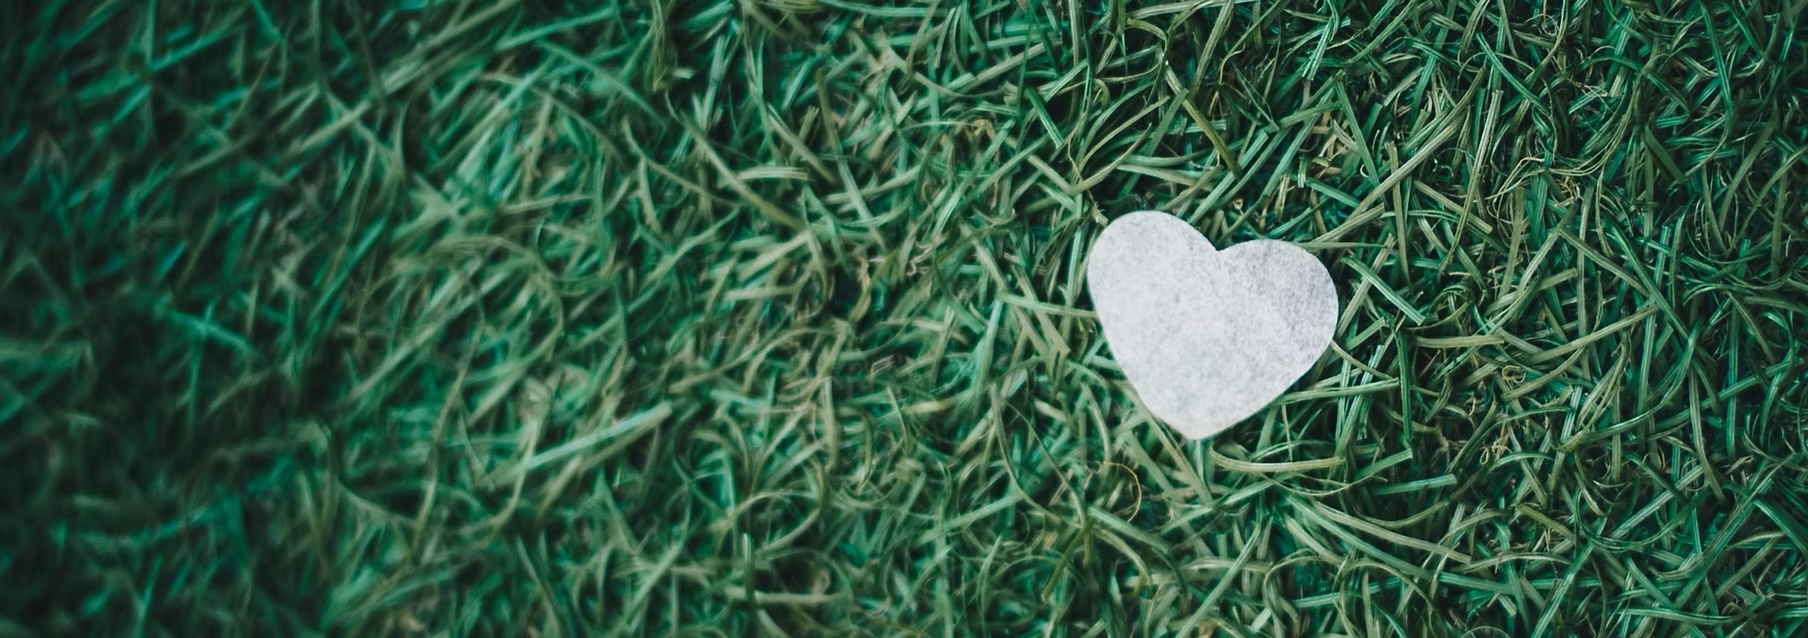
pixel 1200 431
pixel 1190 422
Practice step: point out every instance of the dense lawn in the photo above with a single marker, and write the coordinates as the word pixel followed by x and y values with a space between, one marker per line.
pixel 724 318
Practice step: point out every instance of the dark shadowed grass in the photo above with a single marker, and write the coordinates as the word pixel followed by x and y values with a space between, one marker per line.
pixel 766 317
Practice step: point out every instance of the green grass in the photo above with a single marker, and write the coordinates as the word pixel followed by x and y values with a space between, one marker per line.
pixel 693 317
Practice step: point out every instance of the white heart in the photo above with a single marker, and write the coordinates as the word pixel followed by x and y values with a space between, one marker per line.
pixel 1207 338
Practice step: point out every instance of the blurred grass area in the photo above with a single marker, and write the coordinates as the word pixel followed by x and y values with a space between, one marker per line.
pixel 712 318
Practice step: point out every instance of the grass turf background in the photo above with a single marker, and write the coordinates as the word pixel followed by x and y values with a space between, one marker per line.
pixel 710 318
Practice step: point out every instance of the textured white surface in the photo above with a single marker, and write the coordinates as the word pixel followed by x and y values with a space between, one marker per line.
pixel 1206 337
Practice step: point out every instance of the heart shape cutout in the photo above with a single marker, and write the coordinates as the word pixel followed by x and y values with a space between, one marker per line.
pixel 1207 337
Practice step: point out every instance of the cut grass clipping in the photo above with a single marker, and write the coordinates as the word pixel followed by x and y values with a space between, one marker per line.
pixel 765 317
